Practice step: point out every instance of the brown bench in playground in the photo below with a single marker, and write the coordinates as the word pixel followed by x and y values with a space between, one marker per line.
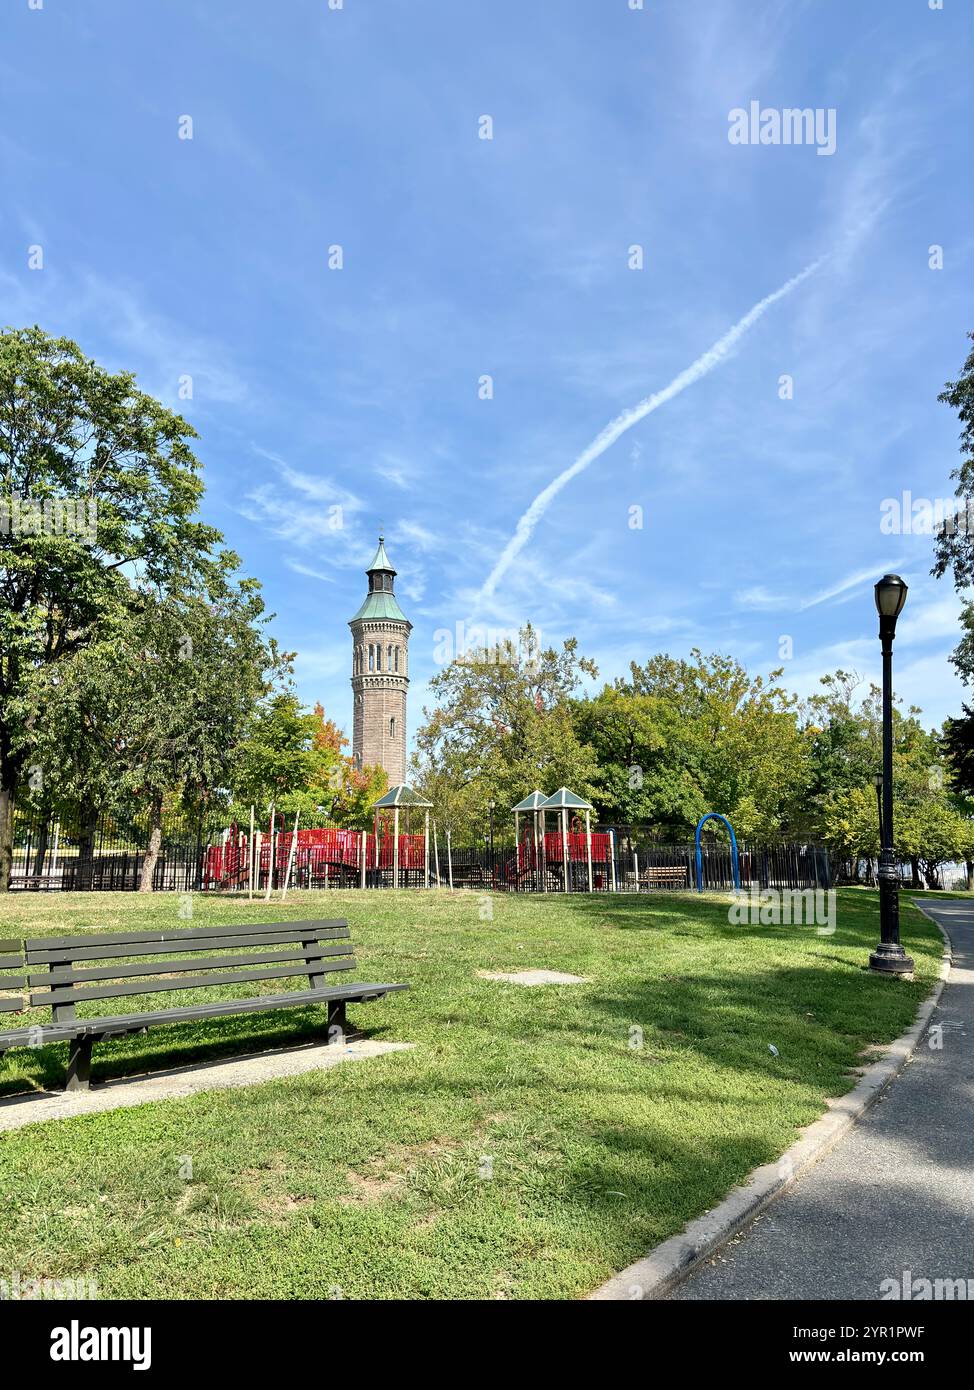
pixel 59 973
pixel 667 876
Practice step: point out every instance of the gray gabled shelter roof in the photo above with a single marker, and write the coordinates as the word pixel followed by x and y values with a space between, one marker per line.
pixel 565 799
pixel 401 795
pixel 534 802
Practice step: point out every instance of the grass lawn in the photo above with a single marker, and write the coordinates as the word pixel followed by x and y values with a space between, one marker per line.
pixel 525 1148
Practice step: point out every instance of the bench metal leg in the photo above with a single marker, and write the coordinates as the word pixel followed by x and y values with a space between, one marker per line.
pixel 79 1064
pixel 337 1023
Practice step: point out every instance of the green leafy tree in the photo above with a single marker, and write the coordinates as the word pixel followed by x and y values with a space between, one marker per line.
pixel 703 736
pixel 278 762
pixel 114 469
pixel 955 543
pixel 502 726
pixel 929 826
pixel 155 709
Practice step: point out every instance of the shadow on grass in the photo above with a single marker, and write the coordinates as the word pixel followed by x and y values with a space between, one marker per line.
pixel 174 1045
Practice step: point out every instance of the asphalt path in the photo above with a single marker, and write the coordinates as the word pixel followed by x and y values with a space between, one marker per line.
pixel 894 1200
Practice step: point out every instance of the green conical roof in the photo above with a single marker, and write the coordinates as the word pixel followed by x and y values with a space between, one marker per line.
pixel 534 802
pixel 564 798
pixel 380 605
pixel 381 561
pixel 383 606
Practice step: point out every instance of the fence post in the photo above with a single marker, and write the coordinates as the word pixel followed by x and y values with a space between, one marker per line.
pixel 362 857
pixel 290 858
pixel 449 859
pixel 564 845
pixel 612 857
pixel 270 867
pixel 635 860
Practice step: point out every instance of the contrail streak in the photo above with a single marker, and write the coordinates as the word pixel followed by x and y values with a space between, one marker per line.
pixel 704 364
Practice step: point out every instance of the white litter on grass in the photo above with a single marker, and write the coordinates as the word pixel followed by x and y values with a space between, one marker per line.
pixel 534 977
pixel 773 1049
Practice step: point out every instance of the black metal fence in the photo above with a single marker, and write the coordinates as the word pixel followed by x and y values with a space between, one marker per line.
pixel 103 854
pixel 208 855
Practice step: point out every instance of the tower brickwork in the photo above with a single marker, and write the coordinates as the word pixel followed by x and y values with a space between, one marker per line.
pixel 380 673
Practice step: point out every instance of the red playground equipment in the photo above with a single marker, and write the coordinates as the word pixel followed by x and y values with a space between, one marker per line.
pixel 321 856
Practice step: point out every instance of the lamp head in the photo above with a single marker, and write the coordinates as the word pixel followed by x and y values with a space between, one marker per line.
pixel 890 596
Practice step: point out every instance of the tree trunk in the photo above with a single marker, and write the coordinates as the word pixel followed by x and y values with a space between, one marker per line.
pixel 969 866
pixel 152 850
pixel 915 869
pixel 86 847
pixel 43 840
pixel 6 837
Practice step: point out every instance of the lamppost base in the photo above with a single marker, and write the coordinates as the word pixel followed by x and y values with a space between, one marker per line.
pixel 889 958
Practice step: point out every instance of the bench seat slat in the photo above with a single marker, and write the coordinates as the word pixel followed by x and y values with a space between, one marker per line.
pixel 65 994
pixel 124 947
pixel 11 963
pixel 183 933
pixel 9 947
pixel 310 954
pixel 130 1023
pixel 11 1004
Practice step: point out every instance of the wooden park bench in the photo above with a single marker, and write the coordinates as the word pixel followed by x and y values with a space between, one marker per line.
pixel 670 876
pixel 61 972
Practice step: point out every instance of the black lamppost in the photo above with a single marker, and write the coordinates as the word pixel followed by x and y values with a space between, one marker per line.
pixel 889 958
pixel 878 780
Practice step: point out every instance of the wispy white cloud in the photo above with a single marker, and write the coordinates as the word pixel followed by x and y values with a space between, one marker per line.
pixel 759 597
pixel 849 583
pixel 703 366
pixel 306 509
pixel 309 571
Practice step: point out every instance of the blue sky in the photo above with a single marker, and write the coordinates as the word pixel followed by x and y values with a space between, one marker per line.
pixel 465 257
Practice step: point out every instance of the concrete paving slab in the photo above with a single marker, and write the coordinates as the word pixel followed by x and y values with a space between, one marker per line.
pixel 250 1070
pixel 534 977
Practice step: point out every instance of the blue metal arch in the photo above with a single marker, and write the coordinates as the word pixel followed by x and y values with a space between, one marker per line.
pixel 715 815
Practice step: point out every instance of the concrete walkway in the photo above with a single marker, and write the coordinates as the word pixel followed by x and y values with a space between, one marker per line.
pixel 250 1070
pixel 896 1194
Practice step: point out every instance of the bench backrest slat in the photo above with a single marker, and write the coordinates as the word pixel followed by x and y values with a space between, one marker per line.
pixel 39 955
pixel 201 960
pixel 125 970
pixel 65 994
pixel 296 930
pixel 11 958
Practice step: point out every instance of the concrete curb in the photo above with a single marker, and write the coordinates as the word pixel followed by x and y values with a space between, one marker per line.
pixel 669 1263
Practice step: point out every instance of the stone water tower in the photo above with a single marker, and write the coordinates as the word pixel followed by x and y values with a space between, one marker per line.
pixel 380 674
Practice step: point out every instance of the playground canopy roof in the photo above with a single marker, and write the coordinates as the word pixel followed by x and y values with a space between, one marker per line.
pixel 401 795
pixel 534 802
pixel 563 799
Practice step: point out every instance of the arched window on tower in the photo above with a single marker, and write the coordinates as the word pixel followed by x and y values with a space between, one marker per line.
pixel 397 658
pixel 371 657
pixel 378 656
pixel 392 727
